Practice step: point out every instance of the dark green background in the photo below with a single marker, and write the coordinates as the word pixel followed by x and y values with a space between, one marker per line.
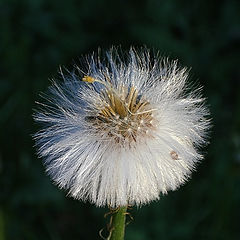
pixel 36 36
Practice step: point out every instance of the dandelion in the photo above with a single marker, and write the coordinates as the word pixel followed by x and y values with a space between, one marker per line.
pixel 125 131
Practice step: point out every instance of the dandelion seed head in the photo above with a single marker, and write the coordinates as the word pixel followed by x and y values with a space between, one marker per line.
pixel 125 132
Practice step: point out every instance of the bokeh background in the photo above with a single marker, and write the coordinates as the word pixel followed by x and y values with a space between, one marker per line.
pixel 36 36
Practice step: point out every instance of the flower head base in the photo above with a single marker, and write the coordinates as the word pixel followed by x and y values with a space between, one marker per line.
pixel 124 132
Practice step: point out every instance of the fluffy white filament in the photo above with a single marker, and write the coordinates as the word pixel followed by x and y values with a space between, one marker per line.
pixel 130 132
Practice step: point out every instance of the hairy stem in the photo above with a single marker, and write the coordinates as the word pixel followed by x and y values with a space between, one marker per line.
pixel 118 224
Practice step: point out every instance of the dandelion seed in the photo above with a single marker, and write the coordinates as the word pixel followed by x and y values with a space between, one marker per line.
pixel 108 136
pixel 174 155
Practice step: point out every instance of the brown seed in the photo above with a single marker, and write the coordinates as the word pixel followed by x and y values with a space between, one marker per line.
pixel 174 155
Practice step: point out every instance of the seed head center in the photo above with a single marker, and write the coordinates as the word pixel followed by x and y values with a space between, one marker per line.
pixel 124 113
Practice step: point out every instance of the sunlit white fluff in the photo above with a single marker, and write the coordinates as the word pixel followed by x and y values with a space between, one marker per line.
pixel 123 133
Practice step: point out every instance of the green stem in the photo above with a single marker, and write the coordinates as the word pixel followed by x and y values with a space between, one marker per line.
pixel 118 224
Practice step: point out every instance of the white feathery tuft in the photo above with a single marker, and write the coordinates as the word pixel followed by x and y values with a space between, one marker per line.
pixel 123 133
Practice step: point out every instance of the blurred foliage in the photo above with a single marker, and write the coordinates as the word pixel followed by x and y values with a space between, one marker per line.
pixel 36 36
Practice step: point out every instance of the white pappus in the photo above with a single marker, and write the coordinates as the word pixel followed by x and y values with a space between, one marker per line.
pixel 124 132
